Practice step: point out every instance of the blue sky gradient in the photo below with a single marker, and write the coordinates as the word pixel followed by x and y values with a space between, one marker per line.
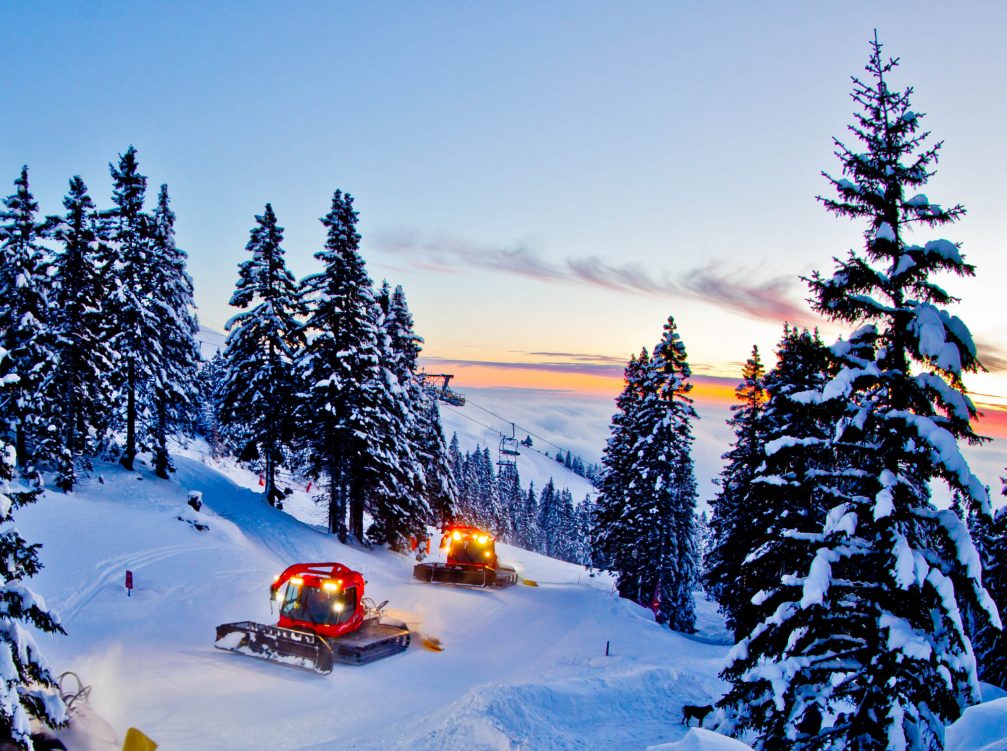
pixel 516 163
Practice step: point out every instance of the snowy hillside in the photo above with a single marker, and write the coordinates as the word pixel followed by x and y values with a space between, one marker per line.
pixel 524 664
pixel 524 668
pixel 477 428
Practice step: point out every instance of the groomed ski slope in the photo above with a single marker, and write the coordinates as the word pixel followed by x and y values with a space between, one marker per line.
pixel 524 668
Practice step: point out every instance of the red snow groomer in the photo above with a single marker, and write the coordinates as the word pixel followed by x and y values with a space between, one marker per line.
pixel 324 619
pixel 471 560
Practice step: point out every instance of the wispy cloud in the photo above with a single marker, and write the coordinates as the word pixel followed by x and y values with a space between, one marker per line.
pixel 578 357
pixel 738 290
pixel 611 370
pixel 992 356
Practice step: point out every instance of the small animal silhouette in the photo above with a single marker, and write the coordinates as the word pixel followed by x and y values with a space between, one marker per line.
pixel 690 712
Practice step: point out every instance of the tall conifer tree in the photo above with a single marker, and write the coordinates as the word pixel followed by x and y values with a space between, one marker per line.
pixel 730 524
pixel 259 383
pixel 645 521
pixel 128 267
pixel 27 688
pixel 25 332
pixel 340 367
pixel 172 386
pixel 871 632
pixel 83 394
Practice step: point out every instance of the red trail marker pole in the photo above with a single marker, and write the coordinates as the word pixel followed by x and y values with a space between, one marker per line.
pixel 129 583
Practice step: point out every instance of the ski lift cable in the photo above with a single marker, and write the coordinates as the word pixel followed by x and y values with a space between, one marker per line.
pixel 494 430
pixel 524 429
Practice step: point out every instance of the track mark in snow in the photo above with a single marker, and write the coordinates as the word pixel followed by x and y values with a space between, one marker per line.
pixel 113 570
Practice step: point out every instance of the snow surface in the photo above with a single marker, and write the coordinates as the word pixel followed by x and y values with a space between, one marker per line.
pixel 702 740
pixel 982 728
pixel 523 668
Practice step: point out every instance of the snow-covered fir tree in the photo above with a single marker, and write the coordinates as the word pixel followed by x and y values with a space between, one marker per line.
pixel 80 322
pixel 792 488
pixel 871 634
pixel 397 491
pixel 990 643
pixel 730 524
pixel 340 368
pixel 172 386
pixel 512 500
pixel 258 386
pixel 552 520
pixel 27 687
pixel 209 384
pixel 789 490
pixel 611 534
pixel 127 267
pixel 646 529
pixel 25 327
pixel 529 534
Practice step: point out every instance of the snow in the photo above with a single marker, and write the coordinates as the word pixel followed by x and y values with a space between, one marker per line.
pixel 816 584
pixel 699 739
pixel 930 325
pixel 523 667
pixel 981 728
pixel 902 637
pixel 885 232
pixel 944 249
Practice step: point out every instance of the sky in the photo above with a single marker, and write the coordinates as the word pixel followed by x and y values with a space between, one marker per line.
pixel 548 181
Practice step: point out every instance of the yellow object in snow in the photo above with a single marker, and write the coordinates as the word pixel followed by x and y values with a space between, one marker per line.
pixel 529 582
pixel 433 643
pixel 137 741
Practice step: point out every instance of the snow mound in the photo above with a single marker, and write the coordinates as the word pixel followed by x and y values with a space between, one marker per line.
pixel 982 728
pixel 703 740
pixel 625 709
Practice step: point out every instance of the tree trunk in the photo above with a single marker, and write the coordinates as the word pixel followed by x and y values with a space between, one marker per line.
pixel 356 512
pixel 130 453
pixel 161 463
pixel 272 494
pixel 337 500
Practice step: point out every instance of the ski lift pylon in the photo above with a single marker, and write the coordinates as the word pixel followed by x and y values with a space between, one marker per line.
pixel 438 385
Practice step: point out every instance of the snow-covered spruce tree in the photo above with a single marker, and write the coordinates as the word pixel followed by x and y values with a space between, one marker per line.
pixel 512 500
pixel 127 268
pixel 557 521
pixel 583 520
pixel 83 394
pixel 259 381
pixel 612 536
pixel 441 491
pixel 551 520
pixel 730 524
pixel 209 385
pixel 990 536
pixel 565 535
pixel 27 688
pixel 530 536
pixel 340 369
pixel 25 332
pixel 396 485
pixel 497 517
pixel 650 534
pixel 792 489
pixel 172 388
pixel 871 633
